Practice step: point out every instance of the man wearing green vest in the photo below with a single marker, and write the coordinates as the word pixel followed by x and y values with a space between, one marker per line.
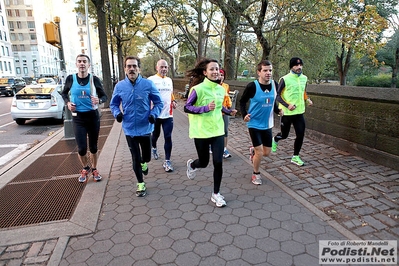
pixel 292 98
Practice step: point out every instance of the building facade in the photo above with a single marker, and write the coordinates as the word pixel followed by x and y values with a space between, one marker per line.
pixel 24 50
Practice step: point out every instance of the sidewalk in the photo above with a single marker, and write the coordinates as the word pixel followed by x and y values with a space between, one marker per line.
pixel 335 196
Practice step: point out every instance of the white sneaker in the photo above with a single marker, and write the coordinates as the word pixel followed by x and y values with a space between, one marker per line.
pixel 218 199
pixel 256 179
pixel 167 165
pixel 190 170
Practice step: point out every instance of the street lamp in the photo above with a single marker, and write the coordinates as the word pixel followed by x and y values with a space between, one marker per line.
pixel 108 4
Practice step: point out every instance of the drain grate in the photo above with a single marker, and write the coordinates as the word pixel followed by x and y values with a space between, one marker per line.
pixel 37 131
pixel 47 190
pixel 39 202
pixel 108 122
pixel 47 167
pixel 63 146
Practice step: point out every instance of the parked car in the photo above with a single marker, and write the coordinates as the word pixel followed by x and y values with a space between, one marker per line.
pixel 38 101
pixel 46 81
pixel 10 86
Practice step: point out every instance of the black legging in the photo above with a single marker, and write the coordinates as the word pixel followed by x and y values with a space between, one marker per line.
pixel 86 124
pixel 217 145
pixel 167 127
pixel 298 121
pixel 135 143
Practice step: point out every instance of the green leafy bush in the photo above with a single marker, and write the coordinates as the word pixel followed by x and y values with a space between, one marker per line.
pixel 382 80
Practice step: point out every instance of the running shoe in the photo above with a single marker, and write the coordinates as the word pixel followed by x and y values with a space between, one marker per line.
pixel 256 179
pixel 144 168
pixel 155 154
pixel 167 165
pixel 141 190
pixel 226 154
pixel 251 154
pixel 83 176
pixel 297 160
pixel 218 200
pixel 190 170
pixel 96 175
pixel 274 145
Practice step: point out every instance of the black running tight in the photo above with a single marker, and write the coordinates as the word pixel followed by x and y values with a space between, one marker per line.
pixel 298 121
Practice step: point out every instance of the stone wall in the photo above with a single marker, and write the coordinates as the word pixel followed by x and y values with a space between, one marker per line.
pixel 361 120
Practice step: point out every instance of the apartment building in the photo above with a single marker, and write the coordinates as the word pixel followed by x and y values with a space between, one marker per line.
pixel 26 53
pixel 6 56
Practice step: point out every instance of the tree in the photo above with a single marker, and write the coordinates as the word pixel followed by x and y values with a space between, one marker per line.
pixel 96 11
pixel 358 25
pixel 126 20
pixel 232 11
pixel 102 36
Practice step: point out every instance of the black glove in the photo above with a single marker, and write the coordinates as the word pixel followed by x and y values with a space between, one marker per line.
pixel 119 117
pixel 151 119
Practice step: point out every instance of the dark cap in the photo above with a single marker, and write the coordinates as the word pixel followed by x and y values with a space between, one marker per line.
pixel 295 61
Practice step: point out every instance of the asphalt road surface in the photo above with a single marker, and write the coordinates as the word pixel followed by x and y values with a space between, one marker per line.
pixel 16 139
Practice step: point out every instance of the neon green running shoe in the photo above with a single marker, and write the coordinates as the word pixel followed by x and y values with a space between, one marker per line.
pixel 296 160
pixel 274 145
pixel 141 190
pixel 144 168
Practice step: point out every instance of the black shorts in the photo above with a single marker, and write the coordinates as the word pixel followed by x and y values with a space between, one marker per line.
pixel 261 137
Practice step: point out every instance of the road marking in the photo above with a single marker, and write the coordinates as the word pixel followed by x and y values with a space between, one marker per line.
pixel 19 148
pixel 7 124
pixel 5 114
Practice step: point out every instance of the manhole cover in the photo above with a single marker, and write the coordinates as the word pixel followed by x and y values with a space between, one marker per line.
pixel 37 131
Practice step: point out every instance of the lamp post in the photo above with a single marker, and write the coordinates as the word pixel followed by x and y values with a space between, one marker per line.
pixel 108 4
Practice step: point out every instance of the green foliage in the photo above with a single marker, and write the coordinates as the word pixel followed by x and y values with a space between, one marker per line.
pixel 383 80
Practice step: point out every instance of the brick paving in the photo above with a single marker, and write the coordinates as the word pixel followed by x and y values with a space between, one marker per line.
pixel 334 196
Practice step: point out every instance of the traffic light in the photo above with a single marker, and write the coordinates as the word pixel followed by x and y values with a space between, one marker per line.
pixel 51 33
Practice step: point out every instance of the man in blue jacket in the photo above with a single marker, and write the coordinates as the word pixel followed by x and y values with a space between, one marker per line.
pixel 136 94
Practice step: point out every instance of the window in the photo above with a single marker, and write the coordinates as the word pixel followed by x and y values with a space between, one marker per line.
pixel 5 66
pixel 12 37
pixel 25 70
pixel 9 12
pixel 1 36
pixel 9 66
pixel 1 66
pixel 33 36
pixel 19 24
pixel 2 21
pixel 15 48
pixel 11 24
pixel 3 50
pixel 20 37
pixel 33 47
pixel 5 36
pixel 7 2
pixel 16 59
pixel 17 13
pixel 29 13
pixel 22 47
pixel 24 59
pixel 31 24
pixel 18 70
pixel 7 51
